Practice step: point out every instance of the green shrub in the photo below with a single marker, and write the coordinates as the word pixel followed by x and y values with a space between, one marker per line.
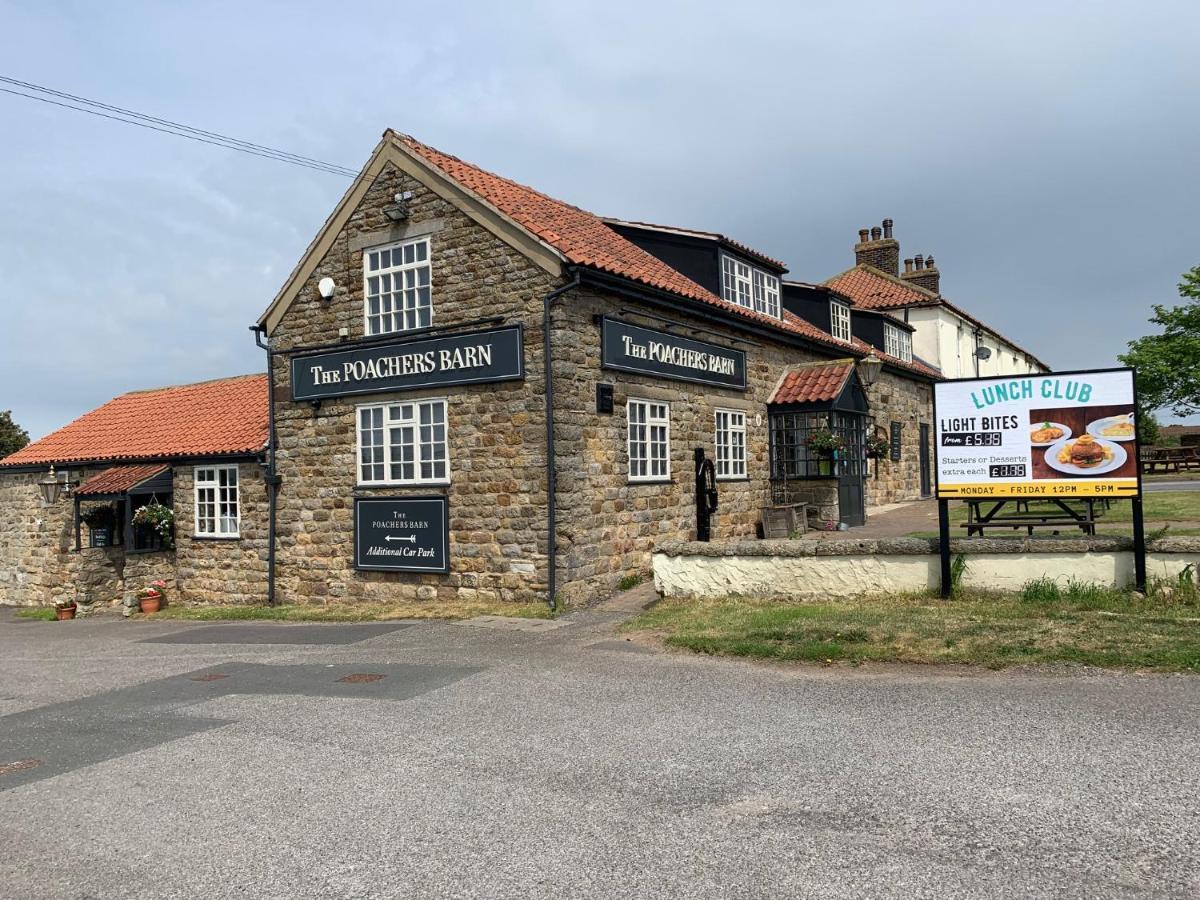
pixel 1041 590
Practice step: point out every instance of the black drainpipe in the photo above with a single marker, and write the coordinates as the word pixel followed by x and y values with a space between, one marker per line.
pixel 271 479
pixel 551 468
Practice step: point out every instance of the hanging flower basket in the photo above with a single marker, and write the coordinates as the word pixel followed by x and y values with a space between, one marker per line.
pixel 824 442
pixel 878 447
pixel 159 519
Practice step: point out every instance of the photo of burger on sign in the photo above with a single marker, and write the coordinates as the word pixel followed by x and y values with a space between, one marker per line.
pixel 1065 445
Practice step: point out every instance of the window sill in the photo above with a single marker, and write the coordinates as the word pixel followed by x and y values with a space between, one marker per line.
pixel 722 479
pixel 635 481
pixel 152 550
pixel 401 484
pixel 216 537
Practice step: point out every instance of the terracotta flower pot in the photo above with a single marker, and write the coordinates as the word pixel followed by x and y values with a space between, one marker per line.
pixel 150 604
pixel 63 613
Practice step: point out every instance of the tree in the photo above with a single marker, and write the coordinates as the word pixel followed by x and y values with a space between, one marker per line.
pixel 12 436
pixel 1168 364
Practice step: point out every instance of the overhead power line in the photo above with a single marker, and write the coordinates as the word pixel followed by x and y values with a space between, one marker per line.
pixel 166 126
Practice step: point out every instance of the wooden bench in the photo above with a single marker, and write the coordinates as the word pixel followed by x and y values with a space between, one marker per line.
pixel 1064 515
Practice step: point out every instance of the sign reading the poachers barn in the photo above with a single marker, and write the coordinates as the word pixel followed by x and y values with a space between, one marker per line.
pixel 402 534
pixel 632 348
pixel 470 358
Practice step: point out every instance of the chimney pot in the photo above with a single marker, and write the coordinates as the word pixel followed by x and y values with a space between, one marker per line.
pixel 876 234
pixel 863 234
pixel 919 262
pixel 929 262
pixel 887 228
pixel 908 265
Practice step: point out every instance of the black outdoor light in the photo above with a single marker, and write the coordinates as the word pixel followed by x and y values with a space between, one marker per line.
pixel 53 486
pixel 868 369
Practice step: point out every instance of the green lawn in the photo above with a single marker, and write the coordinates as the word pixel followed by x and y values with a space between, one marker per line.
pixel 1159 509
pixel 1079 624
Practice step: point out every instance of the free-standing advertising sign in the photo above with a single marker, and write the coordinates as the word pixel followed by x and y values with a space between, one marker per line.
pixel 1057 435
pixel 402 365
pixel 402 534
pixel 632 348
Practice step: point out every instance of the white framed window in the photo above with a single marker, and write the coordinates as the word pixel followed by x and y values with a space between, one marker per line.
pixel 839 320
pixel 216 501
pixel 747 286
pixel 403 443
pixel 649 440
pixel 730 443
pixel 897 342
pixel 396 287
pixel 736 284
pixel 766 293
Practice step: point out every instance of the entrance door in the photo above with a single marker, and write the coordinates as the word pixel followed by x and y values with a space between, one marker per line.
pixel 851 467
pixel 926 486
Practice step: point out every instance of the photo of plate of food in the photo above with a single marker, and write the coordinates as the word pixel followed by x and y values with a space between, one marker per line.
pixel 1043 434
pixel 1086 455
pixel 1114 428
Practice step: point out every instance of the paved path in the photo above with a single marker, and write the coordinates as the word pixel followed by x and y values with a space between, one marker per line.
pixel 1154 486
pixel 160 759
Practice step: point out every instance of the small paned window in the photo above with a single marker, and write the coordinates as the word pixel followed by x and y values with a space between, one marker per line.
pixel 749 287
pixel 217 506
pixel 839 321
pixel 766 294
pixel 649 440
pixel 396 287
pixel 730 443
pixel 403 443
pixel 897 342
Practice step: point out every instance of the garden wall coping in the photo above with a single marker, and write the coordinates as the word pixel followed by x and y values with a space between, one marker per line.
pixel 921 546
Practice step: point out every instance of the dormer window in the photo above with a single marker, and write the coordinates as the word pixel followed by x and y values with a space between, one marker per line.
pixel 897 342
pixel 749 287
pixel 839 320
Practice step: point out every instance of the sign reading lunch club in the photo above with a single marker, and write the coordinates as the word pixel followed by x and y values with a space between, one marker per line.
pixel 470 358
pixel 402 534
pixel 632 348
pixel 1058 435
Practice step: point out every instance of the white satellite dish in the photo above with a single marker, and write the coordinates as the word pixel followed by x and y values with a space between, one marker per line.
pixel 325 287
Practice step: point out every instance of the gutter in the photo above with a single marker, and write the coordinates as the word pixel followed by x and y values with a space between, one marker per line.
pixel 551 462
pixel 271 479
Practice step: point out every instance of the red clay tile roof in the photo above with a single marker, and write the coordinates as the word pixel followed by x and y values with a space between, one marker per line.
pixel 118 479
pixel 227 416
pixel 870 289
pixel 813 383
pixel 708 235
pixel 585 240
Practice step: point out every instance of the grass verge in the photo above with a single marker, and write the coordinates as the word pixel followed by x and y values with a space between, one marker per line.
pixel 45 613
pixel 357 612
pixel 1072 624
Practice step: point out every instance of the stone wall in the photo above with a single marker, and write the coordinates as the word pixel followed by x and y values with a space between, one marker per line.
pixel 609 524
pixel 217 570
pixel 815 570
pixel 910 403
pixel 497 490
pixel 38 562
pixel 37 565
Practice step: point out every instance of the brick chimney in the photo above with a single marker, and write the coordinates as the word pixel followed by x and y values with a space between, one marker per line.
pixel 923 272
pixel 876 247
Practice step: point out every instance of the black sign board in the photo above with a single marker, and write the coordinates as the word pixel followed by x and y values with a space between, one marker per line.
pixel 897 428
pixel 473 357
pixel 402 534
pixel 632 348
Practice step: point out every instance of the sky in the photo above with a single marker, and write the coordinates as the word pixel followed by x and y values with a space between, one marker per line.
pixel 1043 152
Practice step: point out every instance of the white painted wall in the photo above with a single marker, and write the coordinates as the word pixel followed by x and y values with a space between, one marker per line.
pixel 824 577
pixel 947 340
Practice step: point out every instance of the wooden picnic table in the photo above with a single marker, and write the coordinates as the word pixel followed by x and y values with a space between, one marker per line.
pixel 1169 459
pixel 1080 513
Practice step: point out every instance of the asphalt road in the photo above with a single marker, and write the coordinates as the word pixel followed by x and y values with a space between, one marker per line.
pixel 486 762
pixel 1151 487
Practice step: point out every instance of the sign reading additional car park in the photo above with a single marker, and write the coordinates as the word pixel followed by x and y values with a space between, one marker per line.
pixel 469 358
pixel 402 534
pixel 1056 435
pixel 632 348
